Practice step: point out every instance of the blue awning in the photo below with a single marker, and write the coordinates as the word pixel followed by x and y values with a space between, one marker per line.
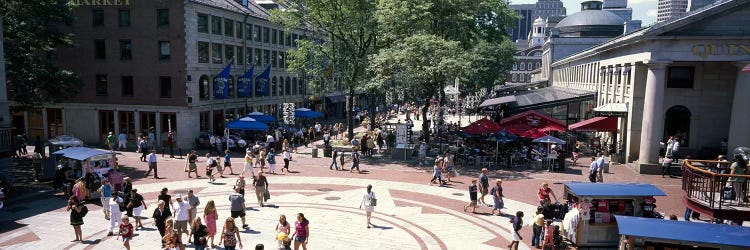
pixel 262 117
pixel 614 189
pixel 306 113
pixel 247 125
pixel 81 153
pixel 684 231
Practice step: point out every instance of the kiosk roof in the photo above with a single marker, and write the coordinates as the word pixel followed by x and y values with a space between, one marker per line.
pixel 614 189
pixel 684 231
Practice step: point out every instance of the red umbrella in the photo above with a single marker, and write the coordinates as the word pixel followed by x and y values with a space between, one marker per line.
pixel 482 126
pixel 529 133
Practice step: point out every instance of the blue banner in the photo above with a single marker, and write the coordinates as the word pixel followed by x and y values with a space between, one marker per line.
pixel 262 82
pixel 221 83
pixel 243 83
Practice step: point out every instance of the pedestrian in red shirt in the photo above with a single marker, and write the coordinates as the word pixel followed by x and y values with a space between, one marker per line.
pixel 126 231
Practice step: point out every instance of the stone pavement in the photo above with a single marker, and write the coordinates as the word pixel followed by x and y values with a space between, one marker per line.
pixel 410 214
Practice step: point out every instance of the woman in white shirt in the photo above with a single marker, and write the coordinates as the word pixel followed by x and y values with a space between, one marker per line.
pixel 369 201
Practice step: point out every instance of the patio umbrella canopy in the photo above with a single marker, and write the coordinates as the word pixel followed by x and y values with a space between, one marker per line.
pixel 247 124
pixel 549 139
pixel 261 117
pixel 306 113
pixel 482 126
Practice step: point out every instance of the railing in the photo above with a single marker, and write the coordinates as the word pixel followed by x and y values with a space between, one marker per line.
pixel 704 181
pixel 6 140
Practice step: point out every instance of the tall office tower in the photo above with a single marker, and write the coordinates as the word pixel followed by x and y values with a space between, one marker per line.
pixel 669 9
pixel 697 4
pixel 529 12
pixel 619 8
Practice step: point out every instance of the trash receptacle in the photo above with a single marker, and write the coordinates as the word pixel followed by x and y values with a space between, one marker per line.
pixel 315 152
pixel 328 151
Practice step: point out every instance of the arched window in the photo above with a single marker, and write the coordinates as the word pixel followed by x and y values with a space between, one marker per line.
pixel 514 66
pixel 537 65
pixel 230 82
pixel 281 86
pixel 522 78
pixel 523 66
pixel 513 78
pixel 677 123
pixel 288 88
pixel 295 89
pixel 204 89
pixel 274 86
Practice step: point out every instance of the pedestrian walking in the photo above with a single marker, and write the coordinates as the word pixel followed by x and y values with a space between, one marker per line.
pixel 198 233
pixel 115 216
pixel 448 163
pixel 194 201
pixel 240 183
pixel 355 162
pixel 436 175
pixel 736 183
pixel 181 216
pixel 170 143
pixel 143 146
pixel 126 231
pixel 666 167
pixel 301 232
pixel 271 161
pixel 122 141
pixel 77 212
pixel 334 155
pixel 210 216
pixel 214 144
pixel 227 163
pixel 369 200
pixel 237 207
pixel 602 164
pixel 536 234
pixel 152 165
pixel 105 193
pixel 544 193
pixel 517 222
pixel 261 187
pixel 283 230
pixel 287 157
pixel 248 163
pixel 192 160
pixel 593 170
pixel 164 196
pixel 497 197
pixel 135 206
pixel 111 141
pixel 472 196
pixel 230 235
pixel 262 159
pixel 342 160
pixel 170 239
pixel 161 213
pixel 211 165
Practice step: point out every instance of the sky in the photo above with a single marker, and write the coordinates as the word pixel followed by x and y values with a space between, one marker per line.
pixel 644 10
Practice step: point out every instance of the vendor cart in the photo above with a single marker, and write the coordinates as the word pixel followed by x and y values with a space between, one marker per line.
pixel 91 164
pixel 593 222
pixel 648 233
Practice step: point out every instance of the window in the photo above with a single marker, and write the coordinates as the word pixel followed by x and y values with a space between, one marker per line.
pixel 273 36
pixel 537 65
pixel 513 77
pixel 228 52
pixel 164 51
pixel 127 86
pixel 203 87
pixel 229 27
pixel 101 85
pixel 257 57
pixel 202 23
pixel 100 49
pixel 124 18
pixel 266 34
pixel 240 53
pixel 162 18
pixel 294 40
pixel 256 34
pixel 528 66
pixel 230 86
pixel 216 53
pixel 274 86
pixel 238 30
pixel 282 38
pixel 288 39
pixel 249 32
pixel 265 57
pixel 521 77
pixel 215 25
pixel 288 87
pixel 202 52
pixel 523 66
pixel 515 66
pixel 274 59
pixel 165 87
pixel 126 50
pixel 249 56
pixel 282 57
pixel 680 77
pixel 97 18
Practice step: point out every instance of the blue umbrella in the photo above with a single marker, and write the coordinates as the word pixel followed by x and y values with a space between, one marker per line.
pixel 549 139
pixel 246 124
pixel 306 113
pixel 502 137
pixel 261 117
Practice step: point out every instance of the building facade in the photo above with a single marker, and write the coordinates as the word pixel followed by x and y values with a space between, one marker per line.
pixel 149 65
pixel 529 12
pixel 669 9
pixel 680 78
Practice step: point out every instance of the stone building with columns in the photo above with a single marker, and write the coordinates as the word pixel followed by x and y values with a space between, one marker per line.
pixel 149 64
pixel 678 77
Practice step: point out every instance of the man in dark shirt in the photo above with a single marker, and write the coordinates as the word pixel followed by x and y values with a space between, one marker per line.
pixel 160 216
pixel 484 184
pixel 472 196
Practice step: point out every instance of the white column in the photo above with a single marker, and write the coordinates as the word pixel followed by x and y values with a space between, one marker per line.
pixel 137 121
pixel 652 126
pixel 739 134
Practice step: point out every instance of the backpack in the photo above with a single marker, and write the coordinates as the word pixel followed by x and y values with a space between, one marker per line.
pixel 84 210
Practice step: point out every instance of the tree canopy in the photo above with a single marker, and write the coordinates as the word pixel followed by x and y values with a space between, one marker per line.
pixel 32 31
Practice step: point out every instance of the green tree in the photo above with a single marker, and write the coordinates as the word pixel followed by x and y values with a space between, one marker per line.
pixel 32 31
pixel 343 35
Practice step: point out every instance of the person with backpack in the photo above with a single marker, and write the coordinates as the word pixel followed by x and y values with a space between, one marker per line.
pixel 517 222
pixel 369 200
pixel 77 212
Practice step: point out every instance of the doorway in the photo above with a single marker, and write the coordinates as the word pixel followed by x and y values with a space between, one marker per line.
pixel 677 122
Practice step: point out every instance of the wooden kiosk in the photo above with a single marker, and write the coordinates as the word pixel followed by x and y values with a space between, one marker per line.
pixel 598 203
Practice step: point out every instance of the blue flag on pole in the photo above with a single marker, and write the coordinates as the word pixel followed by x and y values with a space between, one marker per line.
pixel 221 82
pixel 243 83
pixel 262 82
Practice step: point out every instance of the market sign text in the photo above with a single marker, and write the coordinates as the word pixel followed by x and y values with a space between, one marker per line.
pixel 706 50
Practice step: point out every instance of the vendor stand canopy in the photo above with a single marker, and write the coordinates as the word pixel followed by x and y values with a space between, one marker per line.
pixel 259 116
pixel 612 109
pixel 81 153
pixel 684 231
pixel 307 113
pixel 613 189
pixel 482 126
pixel 247 123
pixel 531 124
pixel 596 124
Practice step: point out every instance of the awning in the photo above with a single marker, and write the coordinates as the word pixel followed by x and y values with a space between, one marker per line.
pixel 614 189
pixel 81 153
pixel 684 231
pixel 550 97
pixel 597 124
pixel 497 101
pixel 247 125
pixel 612 109
pixel 336 97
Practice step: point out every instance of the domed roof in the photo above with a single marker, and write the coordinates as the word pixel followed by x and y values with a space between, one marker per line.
pixel 591 18
pixel 539 21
